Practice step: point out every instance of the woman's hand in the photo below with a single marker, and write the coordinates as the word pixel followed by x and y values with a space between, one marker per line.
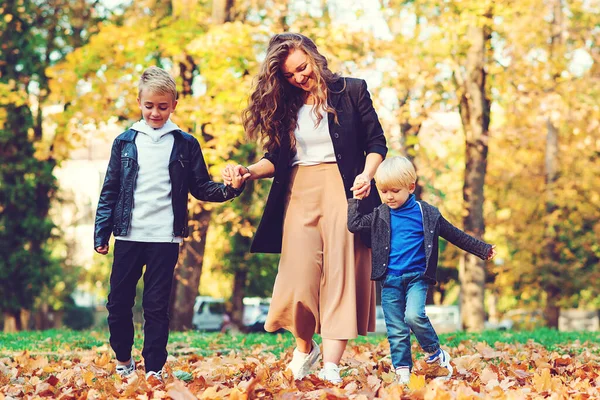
pixel 362 186
pixel 235 175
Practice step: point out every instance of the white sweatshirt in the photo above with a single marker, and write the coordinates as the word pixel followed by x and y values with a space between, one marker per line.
pixel 152 213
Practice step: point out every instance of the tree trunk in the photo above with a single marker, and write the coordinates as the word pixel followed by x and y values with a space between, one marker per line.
pixel 492 306
pixel 14 321
pixel 551 255
pixel 475 115
pixel 41 317
pixel 552 310
pixel 186 279
pixel 187 275
pixel 222 11
pixel 237 297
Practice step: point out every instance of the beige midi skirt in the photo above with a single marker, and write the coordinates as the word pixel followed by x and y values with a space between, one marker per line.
pixel 323 282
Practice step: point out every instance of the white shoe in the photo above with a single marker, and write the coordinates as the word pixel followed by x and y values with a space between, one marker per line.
pixel 442 358
pixel 158 375
pixel 125 370
pixel 330 373
pixel 403 375
pixel 301 362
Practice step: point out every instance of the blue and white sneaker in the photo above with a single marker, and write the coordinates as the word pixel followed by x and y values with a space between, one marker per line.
pixel 442 358
pixel 125 370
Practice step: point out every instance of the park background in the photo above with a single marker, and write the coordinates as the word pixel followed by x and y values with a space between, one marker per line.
pixel 496 102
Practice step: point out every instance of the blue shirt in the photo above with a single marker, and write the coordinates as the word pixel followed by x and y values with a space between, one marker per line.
pixel 407 247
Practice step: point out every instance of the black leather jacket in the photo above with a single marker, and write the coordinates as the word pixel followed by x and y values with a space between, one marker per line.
pixel 188 174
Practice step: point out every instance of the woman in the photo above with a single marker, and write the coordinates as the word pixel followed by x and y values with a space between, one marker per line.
pixel 323 139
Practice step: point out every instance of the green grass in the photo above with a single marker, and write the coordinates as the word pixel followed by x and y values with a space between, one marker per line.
pixel 550 339
pixel 60 341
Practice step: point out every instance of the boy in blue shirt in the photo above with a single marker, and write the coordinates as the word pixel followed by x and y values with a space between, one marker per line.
pixel 404 257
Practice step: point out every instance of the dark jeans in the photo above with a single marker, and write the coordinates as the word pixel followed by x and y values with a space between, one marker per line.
pixel 403 302
pixel 129 259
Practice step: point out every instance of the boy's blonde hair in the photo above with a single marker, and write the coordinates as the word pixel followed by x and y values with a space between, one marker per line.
pixel 157 81
pixel 395 172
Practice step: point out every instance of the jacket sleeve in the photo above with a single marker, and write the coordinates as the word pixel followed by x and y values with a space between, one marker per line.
pixel 200 184
pixel 375 138
pixel 463 240
pixel 108 198
pixel 272 156
pixel 356 221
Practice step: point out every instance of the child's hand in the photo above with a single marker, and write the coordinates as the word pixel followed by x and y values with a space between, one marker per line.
pixel 102 249
pixel 227 174
pixel 357 195
pixel 230 171
pixel 492 253
pixel 236 178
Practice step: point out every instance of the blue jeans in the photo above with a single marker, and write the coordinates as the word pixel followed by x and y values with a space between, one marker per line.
pixel 403 302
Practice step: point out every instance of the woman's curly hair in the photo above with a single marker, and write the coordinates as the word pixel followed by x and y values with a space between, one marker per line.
pixel 274 104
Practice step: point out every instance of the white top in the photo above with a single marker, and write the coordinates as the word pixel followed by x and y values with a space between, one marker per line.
pixel 313 145
pixel 152 213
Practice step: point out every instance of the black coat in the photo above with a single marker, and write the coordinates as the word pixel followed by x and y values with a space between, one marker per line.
pixel 434 226
pixel 358 133
pixel 188 174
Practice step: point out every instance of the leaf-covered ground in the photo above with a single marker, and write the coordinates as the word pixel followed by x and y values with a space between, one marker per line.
pixel 492 365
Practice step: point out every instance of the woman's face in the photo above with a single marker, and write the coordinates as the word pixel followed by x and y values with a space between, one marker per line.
pixel 298 71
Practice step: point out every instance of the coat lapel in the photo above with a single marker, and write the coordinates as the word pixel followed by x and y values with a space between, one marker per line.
pixel 334 94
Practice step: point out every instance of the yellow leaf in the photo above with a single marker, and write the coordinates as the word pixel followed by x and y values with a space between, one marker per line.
pixel 236 394
pixel 416 382
pixel 488 375
pixel 178 391
pixel 210 393
pixel 88 377
pixel 103 360
pixel 543 382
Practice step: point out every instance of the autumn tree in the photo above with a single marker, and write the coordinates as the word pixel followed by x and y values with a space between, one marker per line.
pixel 34 34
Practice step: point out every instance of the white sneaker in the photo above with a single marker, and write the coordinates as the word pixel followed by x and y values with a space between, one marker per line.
pixel 330 373
pixel 301 362
pixel 125 370
pixel 442 358
pixel 158 375
pixel 403 375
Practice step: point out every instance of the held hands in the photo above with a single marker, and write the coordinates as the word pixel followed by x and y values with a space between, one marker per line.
pixel 492 253
pixel 362 186
pixel 235 175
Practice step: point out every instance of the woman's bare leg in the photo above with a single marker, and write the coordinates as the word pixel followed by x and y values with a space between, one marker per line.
pixel 303 345
pixel 333 349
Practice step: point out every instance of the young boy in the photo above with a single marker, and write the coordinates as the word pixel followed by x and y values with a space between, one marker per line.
pixel 152 168
pixel 405 255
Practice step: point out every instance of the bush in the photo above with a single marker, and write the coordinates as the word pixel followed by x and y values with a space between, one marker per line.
pixel 79 318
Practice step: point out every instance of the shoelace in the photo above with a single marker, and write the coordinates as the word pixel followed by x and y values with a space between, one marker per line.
pixel 155 374
pixel 128 368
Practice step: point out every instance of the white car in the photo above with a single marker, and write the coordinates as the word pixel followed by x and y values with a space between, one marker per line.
pixel 208 313
pixel 444 319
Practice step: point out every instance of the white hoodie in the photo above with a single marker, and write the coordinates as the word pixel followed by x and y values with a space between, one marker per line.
pixel 152 213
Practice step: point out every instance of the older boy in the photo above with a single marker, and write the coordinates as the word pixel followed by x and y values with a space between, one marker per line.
pixel 152 168
pixel 405 254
